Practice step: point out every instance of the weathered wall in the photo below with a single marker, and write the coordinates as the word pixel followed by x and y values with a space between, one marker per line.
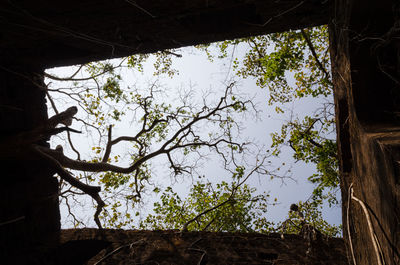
pixel 175 247
pixel 366 71
pixel 29 216
pixel 59 33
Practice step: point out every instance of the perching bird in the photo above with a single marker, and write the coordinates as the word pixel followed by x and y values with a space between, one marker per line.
pixel 59 148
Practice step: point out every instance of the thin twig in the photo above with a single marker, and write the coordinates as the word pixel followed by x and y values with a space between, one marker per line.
pixel 230 199
pixel 173 53
pixel 276 16
pixel 72 146
pixel 71 78
pixel 116 251
pixel 184 228
pixel 202 256
pixel 53 105
pixel 12 221
pixel 139 7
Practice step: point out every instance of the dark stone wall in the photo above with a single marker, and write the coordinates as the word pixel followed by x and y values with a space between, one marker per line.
pixel 176 247
pixel 29 217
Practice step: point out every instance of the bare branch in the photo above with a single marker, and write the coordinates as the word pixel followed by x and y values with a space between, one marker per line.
pixel 109 144
pixel 97 167
pixel 155 120
pixel 115 251
pixel 71 78
pixel 139 7
pixel 53 105
pixel 72 146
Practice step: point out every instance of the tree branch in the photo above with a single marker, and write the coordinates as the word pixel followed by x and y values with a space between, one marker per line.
pixel 92 191
pixel 313 52
pixel 185 226
pixel 108 147
pixel 230 199
pixel 71 78
pixel 183 136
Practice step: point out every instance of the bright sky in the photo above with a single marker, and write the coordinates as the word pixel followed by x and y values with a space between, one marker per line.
pixel 195 69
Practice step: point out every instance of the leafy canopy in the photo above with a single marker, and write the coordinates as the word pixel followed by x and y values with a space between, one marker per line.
pixel 273 61
pixel 295 65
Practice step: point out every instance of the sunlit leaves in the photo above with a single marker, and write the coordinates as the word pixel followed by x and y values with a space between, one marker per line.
pixel 114 217
pixel 311 215
pixel 276 59
pixel 112 88
pixel 237 214
pixel 271 59
pixel 239 172
pixel 245 211
pixel 309 146
pixel 162 64
pixel 137 61
pixel 113 180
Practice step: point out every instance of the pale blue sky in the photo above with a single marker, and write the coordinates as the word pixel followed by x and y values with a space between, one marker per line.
pixel 194 68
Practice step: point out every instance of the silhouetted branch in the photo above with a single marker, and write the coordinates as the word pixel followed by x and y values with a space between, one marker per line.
pixel 92 191
pixel 314 53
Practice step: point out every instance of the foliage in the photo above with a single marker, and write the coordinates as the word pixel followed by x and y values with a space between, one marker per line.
pixel 244 212
pixel 168 129
pixel 173 132
pixel 236 213
pixel 309 214
pixel 309 145
pixel 304 56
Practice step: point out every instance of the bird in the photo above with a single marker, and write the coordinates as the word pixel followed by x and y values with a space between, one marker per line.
pixel 59 148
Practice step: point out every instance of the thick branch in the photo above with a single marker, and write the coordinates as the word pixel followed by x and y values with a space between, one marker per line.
pixel 96 167
pixel 164 149
pixel 135 138
pixel 305 135
pixel 103 166
pixel 109 144
pixel 92 191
